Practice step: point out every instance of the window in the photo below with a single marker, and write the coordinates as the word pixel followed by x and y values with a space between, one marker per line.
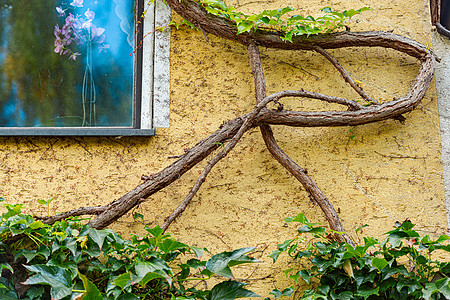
pixel 82 67
pixel 440 16
pixel 445 14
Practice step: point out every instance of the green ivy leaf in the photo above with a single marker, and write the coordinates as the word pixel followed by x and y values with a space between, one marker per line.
pixel 443 285
pixel 71 244
pixel 207 273
pixel 288 291
pixel 350 13
pixel 287 271
pixel 362 277
pixel 153 275
pixel 122 280
pixel 171 244
pixel 288 36
pixel 407 225
pixel 304 274
pixel 324 289
pixel 6 266
pixel 230 290
pixel 58 278
pixel 156 231
pixel 379 263
pixel 276 292
pixel 430 289
pixel 395 238
pixel 98 236
pixel 306 228
pixel 388 271
pixel 137 216
pixel 151 269
pixel 365 8
pixel 221 263
pixel 345 296
pixel 244 26
pixel 285 10
pixel 195 263
pixel 265 20
pixel 36 292
pixel 442 239
pixel 300 218
pixel 129 296
pixel 366 291
pixel 275 254
pixel 198 252
pixel 91 291
pixel 10 295
pixel 212 10
pixel 338 14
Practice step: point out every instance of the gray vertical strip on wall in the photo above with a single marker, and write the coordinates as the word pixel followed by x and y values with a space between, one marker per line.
pixel 441 45
pixel 161 69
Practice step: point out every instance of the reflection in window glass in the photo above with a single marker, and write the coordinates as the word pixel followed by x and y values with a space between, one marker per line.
pixel 66 63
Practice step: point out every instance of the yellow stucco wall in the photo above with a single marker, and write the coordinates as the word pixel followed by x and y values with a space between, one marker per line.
pixel 374 174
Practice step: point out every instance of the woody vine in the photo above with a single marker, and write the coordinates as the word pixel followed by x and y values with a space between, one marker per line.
pixel 270 30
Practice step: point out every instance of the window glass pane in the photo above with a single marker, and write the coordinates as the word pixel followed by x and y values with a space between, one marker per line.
pixel 445 14
pixel 66 63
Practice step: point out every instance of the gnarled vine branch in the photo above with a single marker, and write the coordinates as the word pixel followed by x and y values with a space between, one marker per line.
pixel 231 131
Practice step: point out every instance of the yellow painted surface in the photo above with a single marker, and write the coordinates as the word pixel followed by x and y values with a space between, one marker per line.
pixel 374 174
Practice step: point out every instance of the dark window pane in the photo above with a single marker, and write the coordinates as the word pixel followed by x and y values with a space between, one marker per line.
pixel 71 66
pixel 445 14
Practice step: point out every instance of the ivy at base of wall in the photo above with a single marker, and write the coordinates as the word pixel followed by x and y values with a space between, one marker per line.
pixel 403 266
pixel 69 260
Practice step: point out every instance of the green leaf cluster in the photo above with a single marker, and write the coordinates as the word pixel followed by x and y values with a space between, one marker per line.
pixel 276 20
pixel 399 267
pixel 71 260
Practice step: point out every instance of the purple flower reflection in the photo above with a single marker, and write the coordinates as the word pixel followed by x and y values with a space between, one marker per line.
pixel 102 47
pixel 95 32
pixel 57 31
pixel 59 46
pixel 78 30
pixel 90 15
pixel 60 11
pixel 77 3
pixel 70 20
pixel 74 55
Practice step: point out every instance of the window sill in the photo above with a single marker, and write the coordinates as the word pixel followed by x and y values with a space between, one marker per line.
pixel 76 131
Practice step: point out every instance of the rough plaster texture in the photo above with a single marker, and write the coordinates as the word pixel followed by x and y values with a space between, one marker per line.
pixel 374 174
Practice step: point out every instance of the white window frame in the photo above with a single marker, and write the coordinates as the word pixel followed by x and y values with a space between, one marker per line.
pixel 155 104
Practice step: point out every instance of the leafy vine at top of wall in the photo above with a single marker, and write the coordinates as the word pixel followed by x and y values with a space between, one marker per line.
pixel 289 27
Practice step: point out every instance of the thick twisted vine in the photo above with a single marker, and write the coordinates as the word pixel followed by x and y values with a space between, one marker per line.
pixel 231 131
pixel 316 195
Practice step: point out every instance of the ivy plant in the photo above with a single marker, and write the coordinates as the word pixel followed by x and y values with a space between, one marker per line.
pixel 276 20
pixel 71 260
pixel 402 266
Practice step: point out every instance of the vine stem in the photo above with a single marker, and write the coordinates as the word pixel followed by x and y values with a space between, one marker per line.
pixel 345 75
pixel 248 123
pixel 315 194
